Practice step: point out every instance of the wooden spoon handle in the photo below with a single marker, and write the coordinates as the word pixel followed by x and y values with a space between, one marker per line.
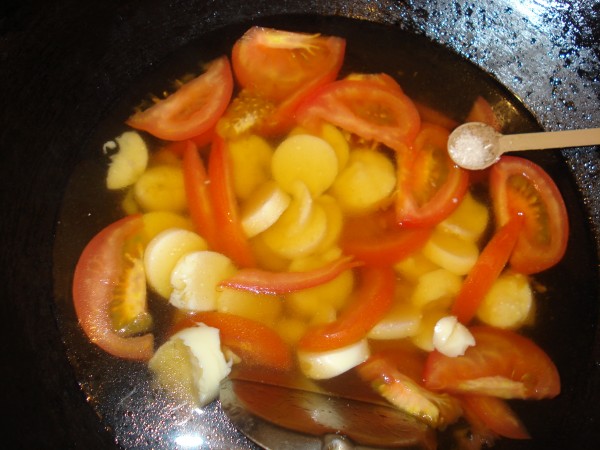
pixel 549 139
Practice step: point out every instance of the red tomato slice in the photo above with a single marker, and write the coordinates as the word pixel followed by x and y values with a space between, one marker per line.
pixel 279 283
pixel 97 276
pixel 521 186
pixel 371 302
pixel 482 111
pixel 395 375
pixel 254 342
pixel 486 270
pixel 382 79
pixel 431 115
pixel 282 119
pixel 191 110
pixel 491 414
pixel 231 239
pixel 501 364
pixel 198 195
pixel 278 63
pixel 367 108
pixel 377 239
pixel 430 185
pixel 205 138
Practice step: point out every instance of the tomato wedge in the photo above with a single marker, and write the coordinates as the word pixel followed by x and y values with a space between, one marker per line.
pixel 486 270
pixel 97 275
pixel 383 79
pixel 197 193
pixel 392 374
pixel 482 111
pixel 432 115
pixel 278 64
pixel 231 239
pixel 490 414
pixel 371 302
pixel 254 342
pixel 430 185
pixel 378 240
pixel 367 108
pixel 521 186
pixel 501 364
pixel 193 109
pixel 279 283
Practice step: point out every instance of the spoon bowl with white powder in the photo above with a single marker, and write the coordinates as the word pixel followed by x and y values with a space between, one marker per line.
pixel 475 145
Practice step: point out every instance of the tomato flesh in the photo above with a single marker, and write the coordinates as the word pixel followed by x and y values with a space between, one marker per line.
pixel 482 111
pixel 193 109
pixel 197 193
pixel 430 185
pixel 367 108
pixel 97 276
pixel 488 267
pixel 277 64
pixel 491 414
pixel 231 238
pixel 383 79
pixel 377 239
pixel 501 364
pixel 254 342
pixel 395 375
pixel 519 186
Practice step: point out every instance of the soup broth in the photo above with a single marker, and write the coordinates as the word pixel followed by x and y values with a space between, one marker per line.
pixel 122 393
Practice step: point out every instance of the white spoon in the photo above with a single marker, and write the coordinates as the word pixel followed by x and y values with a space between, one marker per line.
pixel 475 145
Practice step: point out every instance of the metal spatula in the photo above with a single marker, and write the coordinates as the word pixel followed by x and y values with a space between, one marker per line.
pixel 284 417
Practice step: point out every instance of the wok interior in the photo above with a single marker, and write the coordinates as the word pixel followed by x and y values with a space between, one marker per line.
pixel 544 56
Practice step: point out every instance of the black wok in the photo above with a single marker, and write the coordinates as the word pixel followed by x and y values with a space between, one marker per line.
pixel 64 66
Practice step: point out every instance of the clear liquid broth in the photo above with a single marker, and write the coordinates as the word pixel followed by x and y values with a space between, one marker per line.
pixel 120 392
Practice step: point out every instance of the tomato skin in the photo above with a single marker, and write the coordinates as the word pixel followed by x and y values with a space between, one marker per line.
pixel 420 170
pixel 193 109
pixel 371 302
pixel 490 414
pixel 488 267
pixel 278 283
pixel 197 193
pixel 95 279
pixel 377 239
pixel 514 184
pixel 254 342
pixel 231 238
pixel 278 64
pixel 502 364
pixel 367 108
